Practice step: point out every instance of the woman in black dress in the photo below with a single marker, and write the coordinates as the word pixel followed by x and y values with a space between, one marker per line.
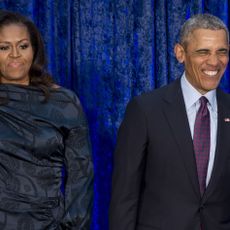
pixel 42 131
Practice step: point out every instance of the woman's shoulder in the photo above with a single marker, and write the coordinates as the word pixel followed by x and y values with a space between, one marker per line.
pixel 61 93
pixel 64 107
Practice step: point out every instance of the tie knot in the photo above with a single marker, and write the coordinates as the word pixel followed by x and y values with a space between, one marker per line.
pixel 203 101
pixel 203 106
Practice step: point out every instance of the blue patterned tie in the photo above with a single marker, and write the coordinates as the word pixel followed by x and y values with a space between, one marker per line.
pixel 201 142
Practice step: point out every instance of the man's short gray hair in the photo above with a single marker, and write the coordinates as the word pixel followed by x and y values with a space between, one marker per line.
pixel 201 21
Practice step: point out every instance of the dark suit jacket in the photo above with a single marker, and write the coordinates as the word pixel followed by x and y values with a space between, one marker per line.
pixel 155 183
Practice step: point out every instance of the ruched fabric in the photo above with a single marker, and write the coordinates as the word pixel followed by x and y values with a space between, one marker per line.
pixel 39 143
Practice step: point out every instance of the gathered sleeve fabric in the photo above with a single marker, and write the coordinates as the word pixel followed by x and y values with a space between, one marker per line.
pixel 78 187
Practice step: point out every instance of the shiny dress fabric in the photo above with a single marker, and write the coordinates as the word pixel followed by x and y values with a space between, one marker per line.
pixel 36 140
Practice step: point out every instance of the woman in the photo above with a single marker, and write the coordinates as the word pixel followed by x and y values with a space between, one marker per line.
pixel 43 128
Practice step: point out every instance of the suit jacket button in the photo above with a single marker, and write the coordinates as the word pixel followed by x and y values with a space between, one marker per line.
pixel 201 207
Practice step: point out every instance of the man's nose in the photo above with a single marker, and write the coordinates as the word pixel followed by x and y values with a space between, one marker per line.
pixel 213 59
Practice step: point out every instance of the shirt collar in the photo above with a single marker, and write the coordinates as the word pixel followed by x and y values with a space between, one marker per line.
pixel 191 95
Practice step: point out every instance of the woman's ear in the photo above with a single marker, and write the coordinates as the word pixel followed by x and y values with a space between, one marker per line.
pixel 179 52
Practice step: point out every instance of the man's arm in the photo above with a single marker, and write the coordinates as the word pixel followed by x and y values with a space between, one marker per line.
pixel 129 163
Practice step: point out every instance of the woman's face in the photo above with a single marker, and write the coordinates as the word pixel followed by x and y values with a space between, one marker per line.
pixel 16 54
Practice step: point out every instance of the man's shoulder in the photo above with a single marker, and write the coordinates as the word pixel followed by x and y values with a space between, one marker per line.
pixel 223 97
pixel 152 102
pixel 156 95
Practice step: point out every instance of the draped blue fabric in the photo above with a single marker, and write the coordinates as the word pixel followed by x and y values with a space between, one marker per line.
pixel 108 51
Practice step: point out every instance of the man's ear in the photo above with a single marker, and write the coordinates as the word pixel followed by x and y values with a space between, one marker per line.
pixel 179 52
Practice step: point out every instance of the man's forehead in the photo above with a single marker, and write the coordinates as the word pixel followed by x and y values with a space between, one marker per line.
pixel 208 37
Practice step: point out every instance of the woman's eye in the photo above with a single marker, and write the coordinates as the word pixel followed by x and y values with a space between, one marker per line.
pixel 3 48
pixel 24 46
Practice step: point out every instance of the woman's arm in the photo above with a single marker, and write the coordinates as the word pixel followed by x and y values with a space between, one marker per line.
pixel 79 177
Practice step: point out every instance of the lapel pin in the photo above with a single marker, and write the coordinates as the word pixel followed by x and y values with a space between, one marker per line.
pixel 227 119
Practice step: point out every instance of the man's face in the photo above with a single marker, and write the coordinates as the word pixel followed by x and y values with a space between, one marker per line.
pixel 205 58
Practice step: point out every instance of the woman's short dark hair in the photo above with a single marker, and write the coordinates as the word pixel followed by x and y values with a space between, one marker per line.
pixel 37 73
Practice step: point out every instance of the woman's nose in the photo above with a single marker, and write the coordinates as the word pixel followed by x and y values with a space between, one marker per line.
pixel 14 52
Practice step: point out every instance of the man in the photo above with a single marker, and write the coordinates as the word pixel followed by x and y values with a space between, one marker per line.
pixel 172 161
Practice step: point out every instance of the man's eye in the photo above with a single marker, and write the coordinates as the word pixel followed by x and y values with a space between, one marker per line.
pixel 222 52
pixel 202 53
pixel 3 48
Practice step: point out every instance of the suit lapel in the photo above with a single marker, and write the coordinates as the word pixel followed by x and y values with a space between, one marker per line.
pixel 175 113
pixel 223 134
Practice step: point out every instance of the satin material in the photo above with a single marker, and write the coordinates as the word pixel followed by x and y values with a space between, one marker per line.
pixel 36 140
pixel 201 142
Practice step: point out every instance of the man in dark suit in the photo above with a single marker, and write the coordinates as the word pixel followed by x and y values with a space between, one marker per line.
pixel 172 160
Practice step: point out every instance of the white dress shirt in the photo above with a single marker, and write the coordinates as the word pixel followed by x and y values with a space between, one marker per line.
pixel 192 104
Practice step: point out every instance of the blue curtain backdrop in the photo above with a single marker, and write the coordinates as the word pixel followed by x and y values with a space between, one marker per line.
pixel 107 51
